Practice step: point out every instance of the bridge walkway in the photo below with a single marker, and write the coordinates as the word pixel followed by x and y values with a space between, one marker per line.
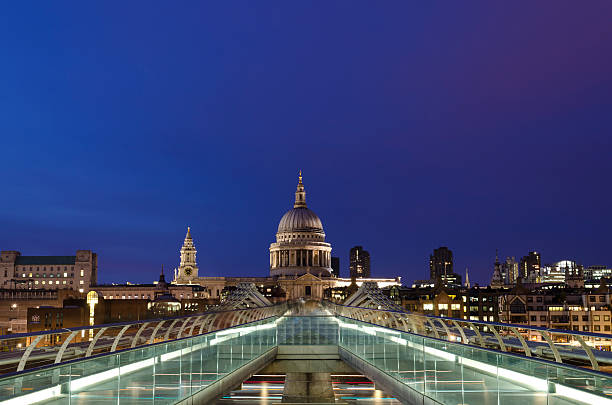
pixel 411 367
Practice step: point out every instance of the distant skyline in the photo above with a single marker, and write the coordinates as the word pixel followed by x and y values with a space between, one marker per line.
pixel 476 126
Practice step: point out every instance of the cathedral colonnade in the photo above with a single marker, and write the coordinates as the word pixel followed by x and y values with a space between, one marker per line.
pixel 300 258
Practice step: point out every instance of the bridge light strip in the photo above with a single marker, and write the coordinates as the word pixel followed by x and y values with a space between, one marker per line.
pixel 80 383
pixel 38 396
pixel 535 383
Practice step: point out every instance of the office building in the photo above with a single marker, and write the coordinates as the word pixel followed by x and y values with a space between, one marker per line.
pixel 529 267
pixel 335 265
pixel 359 260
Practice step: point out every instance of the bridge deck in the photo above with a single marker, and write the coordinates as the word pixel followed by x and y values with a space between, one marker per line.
pixel 411 367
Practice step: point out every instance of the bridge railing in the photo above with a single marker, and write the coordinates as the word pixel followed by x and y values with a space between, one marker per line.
pixel 160 373
pixel 561 345
pixel 452 373
pixel 30 350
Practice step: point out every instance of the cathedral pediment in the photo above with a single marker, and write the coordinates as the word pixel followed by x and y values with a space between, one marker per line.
pixel 308 278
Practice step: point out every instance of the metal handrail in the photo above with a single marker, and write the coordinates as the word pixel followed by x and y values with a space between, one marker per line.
pixel 161 330
pixel 485 323
pixel 516 355
pixel 482 337
pixel 3 377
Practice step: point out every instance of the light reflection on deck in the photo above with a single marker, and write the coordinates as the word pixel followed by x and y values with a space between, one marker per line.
pixel 263 389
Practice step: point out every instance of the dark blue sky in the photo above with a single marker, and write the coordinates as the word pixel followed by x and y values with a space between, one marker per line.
pixel 473 125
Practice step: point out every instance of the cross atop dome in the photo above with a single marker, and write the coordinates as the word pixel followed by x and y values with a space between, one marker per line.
pixel 300 194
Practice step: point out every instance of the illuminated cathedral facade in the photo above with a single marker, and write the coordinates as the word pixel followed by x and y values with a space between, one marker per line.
pixel 300 259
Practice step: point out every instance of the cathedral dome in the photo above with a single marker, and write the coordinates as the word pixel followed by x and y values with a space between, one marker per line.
pixel 300 219
pixel 300 246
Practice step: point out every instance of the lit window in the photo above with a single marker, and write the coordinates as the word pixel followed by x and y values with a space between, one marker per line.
pixel 455 306
pixel 36 282
pixel 427 307
pixel 80 290
pixel 44 282
pixel 65 274
pixel 81 282
pixel 442 306
pixel 82 273
pixel 64 282
pixel 57 282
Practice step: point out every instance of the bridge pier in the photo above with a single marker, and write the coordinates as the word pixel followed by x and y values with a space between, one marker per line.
pixel 308 388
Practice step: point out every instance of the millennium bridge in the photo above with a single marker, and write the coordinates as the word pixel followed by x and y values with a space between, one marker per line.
pixel 197 359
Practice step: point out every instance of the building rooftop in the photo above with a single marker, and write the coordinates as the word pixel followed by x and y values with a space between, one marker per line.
pixel 43 260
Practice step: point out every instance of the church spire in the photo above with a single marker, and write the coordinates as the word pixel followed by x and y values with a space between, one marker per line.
pixel 188 236
pixel 300 194
pixel 467 278
pixel 162 277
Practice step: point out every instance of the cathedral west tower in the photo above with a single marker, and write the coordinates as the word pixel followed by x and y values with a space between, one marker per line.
pixel 188 269
pixel 300 245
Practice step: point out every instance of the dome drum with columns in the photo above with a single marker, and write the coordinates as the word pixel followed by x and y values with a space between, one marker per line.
pixel 300 246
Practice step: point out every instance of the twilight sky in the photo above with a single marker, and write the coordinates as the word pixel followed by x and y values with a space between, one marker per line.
pixel 475 125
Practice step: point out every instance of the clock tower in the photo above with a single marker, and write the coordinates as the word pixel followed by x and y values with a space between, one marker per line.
pixel 188 269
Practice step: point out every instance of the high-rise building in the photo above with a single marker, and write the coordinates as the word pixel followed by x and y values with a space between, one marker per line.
pixel 441 266
pixel 359 262
pixel 335 265
pixel 510 271
pixel 440 263
pixel 529 266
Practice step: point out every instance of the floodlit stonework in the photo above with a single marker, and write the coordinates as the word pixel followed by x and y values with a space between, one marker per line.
pixel 76 272
pixel 300 246
pixel 187 271
pixel 300 260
